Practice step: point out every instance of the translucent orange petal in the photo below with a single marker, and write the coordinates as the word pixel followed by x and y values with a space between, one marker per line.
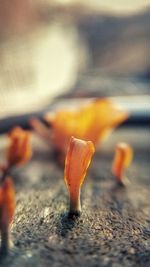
pixel 93 121
pixel 122 159
pixel 77 161
pixel 19 150
pixel 7 201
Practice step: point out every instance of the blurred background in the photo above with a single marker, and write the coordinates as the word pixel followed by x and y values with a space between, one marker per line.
pixel 72 48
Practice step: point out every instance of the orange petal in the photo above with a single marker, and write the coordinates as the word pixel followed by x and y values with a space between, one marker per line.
pixel 77 161
pixel 105 116
pixel 7 201
pixel 92 121
pixel 122 159
pixel 19 150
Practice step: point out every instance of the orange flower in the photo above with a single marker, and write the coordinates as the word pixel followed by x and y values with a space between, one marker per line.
pixel 19 150
pixel 7 208
pixel 78 159
pixel 122 159
pixel 93 121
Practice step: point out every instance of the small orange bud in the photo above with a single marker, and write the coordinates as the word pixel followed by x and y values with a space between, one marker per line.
pixel 7 208
pixel 19 150
pixel 122 159
pixel 77 161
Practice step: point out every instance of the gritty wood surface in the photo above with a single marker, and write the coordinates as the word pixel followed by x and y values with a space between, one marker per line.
pixel 114 228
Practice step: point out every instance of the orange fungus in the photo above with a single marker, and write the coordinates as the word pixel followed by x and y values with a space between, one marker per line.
pixel 77 161
pixel 122 159
pixel 92 121
pixel 19 150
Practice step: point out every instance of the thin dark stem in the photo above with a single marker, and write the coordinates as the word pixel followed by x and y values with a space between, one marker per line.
pixel 4 239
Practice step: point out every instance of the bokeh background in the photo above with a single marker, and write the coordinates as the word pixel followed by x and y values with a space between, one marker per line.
pixel 52 48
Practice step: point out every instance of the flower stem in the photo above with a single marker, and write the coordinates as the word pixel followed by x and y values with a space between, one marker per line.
pixel 75 204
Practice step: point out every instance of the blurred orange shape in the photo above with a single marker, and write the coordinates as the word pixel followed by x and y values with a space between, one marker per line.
pixel 7 202
pixel 123 158
pixel 19 150
pixel 41 129
pixel 92 121
pixel 77 161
